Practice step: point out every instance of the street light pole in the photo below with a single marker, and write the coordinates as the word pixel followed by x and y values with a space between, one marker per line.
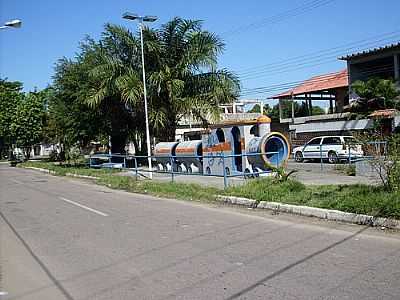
pixel 142 19
pixel 145 103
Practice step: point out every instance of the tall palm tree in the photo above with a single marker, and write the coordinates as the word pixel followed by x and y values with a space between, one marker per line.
pixel 117 88
pixel 186 80
pixel 183 79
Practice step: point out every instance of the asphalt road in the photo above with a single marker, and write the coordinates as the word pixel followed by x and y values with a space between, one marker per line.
pixel 65 239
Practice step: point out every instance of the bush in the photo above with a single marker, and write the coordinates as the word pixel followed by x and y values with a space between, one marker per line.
pixel 53 156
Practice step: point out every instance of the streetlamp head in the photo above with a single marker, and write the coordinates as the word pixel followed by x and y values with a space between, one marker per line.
pixel 130 16
pixel 14 23
pixel 150 18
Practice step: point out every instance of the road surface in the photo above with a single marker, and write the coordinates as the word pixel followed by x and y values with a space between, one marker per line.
pixel 66 239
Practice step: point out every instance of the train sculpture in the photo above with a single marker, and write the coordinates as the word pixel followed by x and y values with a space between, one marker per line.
pixel 249 147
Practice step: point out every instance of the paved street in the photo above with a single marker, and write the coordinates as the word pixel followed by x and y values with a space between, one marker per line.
pixel 66 239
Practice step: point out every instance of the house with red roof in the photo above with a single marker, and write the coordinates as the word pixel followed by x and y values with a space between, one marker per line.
pixel 335 89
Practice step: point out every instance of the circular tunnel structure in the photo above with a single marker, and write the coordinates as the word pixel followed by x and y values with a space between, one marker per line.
pixel 273 151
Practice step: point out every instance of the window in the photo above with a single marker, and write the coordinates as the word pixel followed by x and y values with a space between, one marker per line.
pixel 220 135
pixel 254 130
pixel 314 142
pixel 334 140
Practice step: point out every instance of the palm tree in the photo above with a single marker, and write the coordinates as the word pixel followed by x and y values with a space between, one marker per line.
pixel 183 79
pixel 374 94
pixel 186 80
pixel 116 87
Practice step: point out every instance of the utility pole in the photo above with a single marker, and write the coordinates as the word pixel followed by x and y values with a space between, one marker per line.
pixel 142 19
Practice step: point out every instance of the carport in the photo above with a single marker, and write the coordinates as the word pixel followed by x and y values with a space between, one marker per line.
pixel 332 87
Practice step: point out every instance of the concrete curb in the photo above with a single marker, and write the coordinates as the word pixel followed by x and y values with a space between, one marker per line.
pixel 237 201
pixel 67 174
pixel 81 176
pixel 40 170
pixel 327 214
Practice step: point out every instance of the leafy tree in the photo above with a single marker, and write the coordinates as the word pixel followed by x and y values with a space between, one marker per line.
pixel 27 124
pixel 70 120
pixel 256 109
pixel 300 110
pixel 10 97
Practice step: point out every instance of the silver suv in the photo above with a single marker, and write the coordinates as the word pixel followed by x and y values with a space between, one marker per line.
pixel 332 148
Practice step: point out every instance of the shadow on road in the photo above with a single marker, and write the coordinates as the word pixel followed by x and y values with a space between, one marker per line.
pixel 299 262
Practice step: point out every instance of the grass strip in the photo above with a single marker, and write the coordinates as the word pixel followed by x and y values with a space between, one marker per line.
pixel 360 199
pixel 62 170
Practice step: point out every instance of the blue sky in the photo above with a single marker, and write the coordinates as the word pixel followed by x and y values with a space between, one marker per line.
pixel 53 29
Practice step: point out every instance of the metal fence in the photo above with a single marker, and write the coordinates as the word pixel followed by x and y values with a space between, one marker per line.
pixel 137 164
pixel 370 150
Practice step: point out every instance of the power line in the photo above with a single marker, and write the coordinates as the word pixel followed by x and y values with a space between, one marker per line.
pixel 289 86
pixel 320 79
pixel 328 56
pixel 347 47
pixel 295 68
pixel 301 9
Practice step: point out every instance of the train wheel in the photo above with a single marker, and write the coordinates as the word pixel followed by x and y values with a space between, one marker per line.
pixel 227 171
pixel 247 174
pixel 208 171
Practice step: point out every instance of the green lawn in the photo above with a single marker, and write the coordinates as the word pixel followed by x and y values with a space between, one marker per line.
pixel 62 170
pixel 363 199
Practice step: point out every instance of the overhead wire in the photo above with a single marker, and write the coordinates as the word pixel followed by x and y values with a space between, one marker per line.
pixel 316 60
pixel 301 9
pixel 304 61
pixel 319 79
pixel 375 38
pixel 288 87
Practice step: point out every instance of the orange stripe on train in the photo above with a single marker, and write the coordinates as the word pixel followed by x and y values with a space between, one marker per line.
pixel 218 147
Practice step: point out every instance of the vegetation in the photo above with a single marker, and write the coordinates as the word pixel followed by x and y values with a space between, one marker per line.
pixel 384 157
pixel 363 199
pixel 300 110
pixel 22 117
pixel 10 97
pixel 98 95
pixel 181 67
pixel 100 92
pixel 374 94
pixel 63 169
pixel 360 199
pixel 27 124
pixel 71 121
pixel 191 192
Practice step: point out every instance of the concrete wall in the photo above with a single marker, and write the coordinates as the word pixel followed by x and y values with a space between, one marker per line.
pixel 332 126
pixel 363 68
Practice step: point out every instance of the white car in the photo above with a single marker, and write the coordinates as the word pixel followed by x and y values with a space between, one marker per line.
pixel 332 148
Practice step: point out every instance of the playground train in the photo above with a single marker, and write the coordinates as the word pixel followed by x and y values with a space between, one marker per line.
pixel 249 146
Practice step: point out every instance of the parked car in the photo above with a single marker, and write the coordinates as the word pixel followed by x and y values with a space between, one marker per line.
pixel 332 148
